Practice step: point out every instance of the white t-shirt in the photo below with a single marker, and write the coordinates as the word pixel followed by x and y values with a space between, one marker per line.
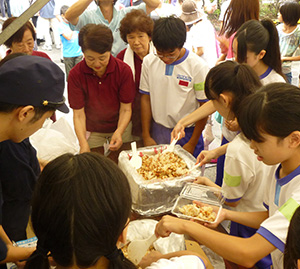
pixel 244 176
pixel 183 262
pixel 282 197
pixel 270 76
pixel 202 34
pixel 175 90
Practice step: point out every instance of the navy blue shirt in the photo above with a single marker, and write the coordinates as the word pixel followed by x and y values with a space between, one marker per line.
pixel 19 169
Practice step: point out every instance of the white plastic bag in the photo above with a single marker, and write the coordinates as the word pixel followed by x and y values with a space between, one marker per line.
pixel 54 139
pixel 144 228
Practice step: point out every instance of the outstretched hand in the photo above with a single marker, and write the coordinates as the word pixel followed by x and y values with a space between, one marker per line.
pixel 206 156
pixel 178 129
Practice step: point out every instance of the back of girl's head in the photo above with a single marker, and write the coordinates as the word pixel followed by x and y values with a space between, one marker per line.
pixel 95 37
pixel 238 79
pixel 292 246
pixel 238 12
pixel 169 34
pixel 256 36
pixel 274 109
pixel 290 12
pixel 80 207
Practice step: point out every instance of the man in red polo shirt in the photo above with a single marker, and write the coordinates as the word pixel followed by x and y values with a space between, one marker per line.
pixel 100 90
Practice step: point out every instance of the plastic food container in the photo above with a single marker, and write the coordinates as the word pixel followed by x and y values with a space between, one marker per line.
pixel 209 196
pixel 157 196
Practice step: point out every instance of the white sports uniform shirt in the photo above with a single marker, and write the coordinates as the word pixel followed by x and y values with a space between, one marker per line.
pixel 244 176
pixel 183 262
pixel 176 89
pixel 270 76
pixel 282 197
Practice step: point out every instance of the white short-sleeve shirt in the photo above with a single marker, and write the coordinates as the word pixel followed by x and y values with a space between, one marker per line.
pixel 244 176
pixel 270 76
pixel 282 197
pixel 175 90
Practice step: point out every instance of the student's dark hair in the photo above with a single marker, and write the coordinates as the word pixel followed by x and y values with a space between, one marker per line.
pixel 169 34
pixel 256 36
pixel 18 36
pixel 95 37
pixel 229 76
pixel 274 109
pixel 8 108
pixel 290 12
pixel 63 9
pixel 80 206
pixel 238 12
pixel 136 20
pixel 292 246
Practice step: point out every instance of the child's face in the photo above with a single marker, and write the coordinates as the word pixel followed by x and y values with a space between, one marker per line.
pixel 223 105
pixel 169 57
pixel 272 150
pixel 252 59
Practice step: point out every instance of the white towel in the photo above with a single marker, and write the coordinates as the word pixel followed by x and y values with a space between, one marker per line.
pixel 129 57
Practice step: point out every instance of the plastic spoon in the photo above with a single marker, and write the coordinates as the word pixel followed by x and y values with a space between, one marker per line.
pixel 170 148
pixel 136 160
pixel 194 167
pixel 138 248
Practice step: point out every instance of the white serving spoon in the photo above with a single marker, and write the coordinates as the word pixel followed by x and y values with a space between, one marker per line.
pixel 138 248
pixel 194 167
pixel 136 160
pixel 170 148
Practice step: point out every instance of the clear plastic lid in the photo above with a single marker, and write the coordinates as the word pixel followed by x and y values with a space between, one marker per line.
pixel 203 193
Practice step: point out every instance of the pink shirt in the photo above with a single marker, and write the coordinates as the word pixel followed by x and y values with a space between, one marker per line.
pixel 101 97
pixel 230 54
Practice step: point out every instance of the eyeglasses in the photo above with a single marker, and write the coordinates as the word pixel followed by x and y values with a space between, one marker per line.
pixel 165 56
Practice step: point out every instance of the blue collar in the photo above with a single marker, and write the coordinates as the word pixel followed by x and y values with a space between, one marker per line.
pixel 182 58
pixel 288 178
pixel 264 75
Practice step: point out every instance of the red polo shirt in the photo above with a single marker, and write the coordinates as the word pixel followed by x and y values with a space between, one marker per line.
pixel 101 97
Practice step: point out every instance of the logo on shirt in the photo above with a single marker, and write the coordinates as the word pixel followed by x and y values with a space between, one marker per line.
pixel 184 80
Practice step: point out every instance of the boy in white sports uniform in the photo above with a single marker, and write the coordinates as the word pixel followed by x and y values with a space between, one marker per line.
pixel 172 86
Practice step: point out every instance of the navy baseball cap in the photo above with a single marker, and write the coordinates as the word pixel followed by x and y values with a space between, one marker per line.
pixel 32 80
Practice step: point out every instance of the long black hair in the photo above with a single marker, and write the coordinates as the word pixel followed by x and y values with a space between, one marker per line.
pixel 273 109
pixel 229 76
pixel 292 246
pixel 80 207
pixel 256 36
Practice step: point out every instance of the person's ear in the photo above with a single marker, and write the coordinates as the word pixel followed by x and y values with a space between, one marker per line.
pixel 294 139
pixel 225 99
pixel 25 113
pixel 298 263
pixel 261 54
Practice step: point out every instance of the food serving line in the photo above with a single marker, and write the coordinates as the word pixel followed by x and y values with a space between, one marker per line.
pixel 155 197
